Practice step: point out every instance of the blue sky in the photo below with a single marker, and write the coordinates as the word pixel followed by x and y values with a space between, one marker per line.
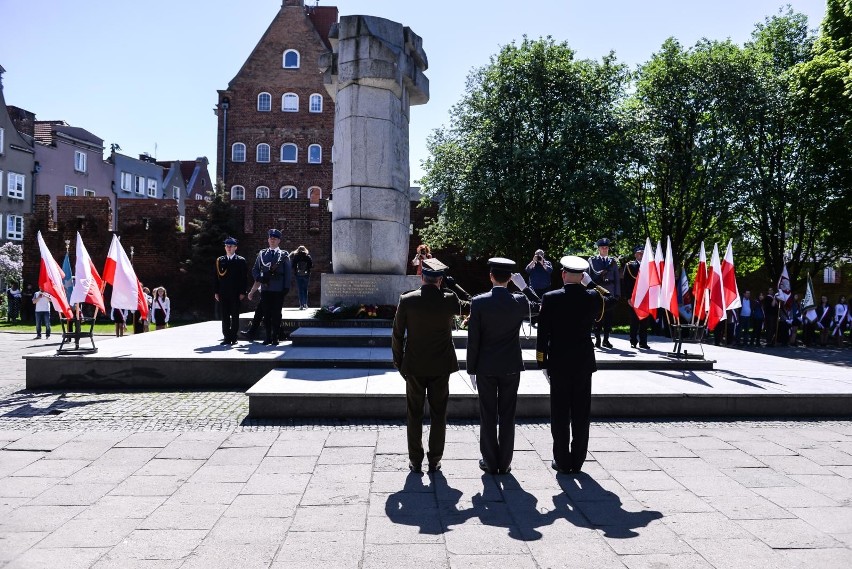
pixel 145 74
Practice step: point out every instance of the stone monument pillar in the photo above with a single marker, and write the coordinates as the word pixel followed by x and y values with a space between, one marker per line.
pixel 374 74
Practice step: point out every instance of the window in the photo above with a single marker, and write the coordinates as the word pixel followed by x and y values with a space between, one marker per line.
pixel 79 161
pixel 316 103
pixel 88 193
pixel 2 140
pixel 314 154
pixel 264 102
pixel 175 193
pixel 1 182
pixel 261 193
pixel 181 223
pixel 291 59
pixel 16 186
pixel 288 193
pixel 289 152
pixel 15 227
pixel 263 152
pixel 152 188
pixel 238 193
pixel 290 102
pixel 829 276
pixel 70 190
pixel 314 195
pixel 238 152
pixel 126 181
pixel 139 185
pixel 199 197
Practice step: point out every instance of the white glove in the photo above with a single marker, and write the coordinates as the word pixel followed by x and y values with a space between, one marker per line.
pixel 587 280
pixel 473 381
pixel 519 281
pixel 546 375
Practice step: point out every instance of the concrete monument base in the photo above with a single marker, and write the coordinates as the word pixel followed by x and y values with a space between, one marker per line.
pixel 365 289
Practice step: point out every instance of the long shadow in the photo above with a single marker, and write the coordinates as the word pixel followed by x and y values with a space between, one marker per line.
pixel 684 376
pixel 24 407
pixel 416 504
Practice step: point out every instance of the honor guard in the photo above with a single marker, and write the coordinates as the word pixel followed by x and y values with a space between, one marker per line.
pixel 604 272
pixel 630 274
pixel 423 352
pixel 273 271
pixel 565 355
pixel 494 360
pixel 229 288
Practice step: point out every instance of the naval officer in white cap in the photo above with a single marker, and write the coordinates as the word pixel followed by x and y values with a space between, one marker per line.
pixel 566 356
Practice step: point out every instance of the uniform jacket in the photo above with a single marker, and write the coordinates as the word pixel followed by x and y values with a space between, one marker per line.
pixel 276 264
pixel 493 345
pixel 422 340
pixel 564 324
pixel 629 276
pixel 604 272
pixel 230 277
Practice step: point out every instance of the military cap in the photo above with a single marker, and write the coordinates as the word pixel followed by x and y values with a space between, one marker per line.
pixel 639 249
pixel 603 242
pixel 501 264
pixel 574 264
pixel 433 267
pixel 274 233
pixel 230 241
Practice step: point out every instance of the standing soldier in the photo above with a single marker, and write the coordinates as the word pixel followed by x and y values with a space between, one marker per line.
pixel 423 352
pixel 604 273
pixel 638 326
pixel 229 288
pixel 273 271
pixel 565 355
pixel 494 361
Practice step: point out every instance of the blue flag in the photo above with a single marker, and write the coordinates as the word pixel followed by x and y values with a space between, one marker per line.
pixel 68 281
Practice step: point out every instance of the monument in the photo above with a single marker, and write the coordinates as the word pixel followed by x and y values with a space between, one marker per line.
pixel 374 75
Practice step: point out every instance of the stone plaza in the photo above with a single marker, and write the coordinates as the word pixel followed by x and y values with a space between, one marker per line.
pixel 185 479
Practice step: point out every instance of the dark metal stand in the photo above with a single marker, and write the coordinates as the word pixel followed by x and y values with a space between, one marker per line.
pixel 72 331
pixel 686 334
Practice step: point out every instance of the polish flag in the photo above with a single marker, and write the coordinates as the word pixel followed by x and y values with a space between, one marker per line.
pixel 657 267
pixel 699 288
pixel 668 286
pixel 50 280
pixel 126 288
pixel 729 279
pixel 716 311
pixel 640 299
pixel 88 285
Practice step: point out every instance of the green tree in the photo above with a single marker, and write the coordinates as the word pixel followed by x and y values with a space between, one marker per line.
pixel 529 157
pixel 684 171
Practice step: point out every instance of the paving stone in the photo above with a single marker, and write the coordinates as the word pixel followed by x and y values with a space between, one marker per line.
pixel 609 444
pixel 12 461
pixel 207 492
pixel 250 439
pixel 748 507
pixel 420 555
pixel 713 485
pixel 584 488
pixel 148 439
pixel 335 493
pixel 175 515
pixel 42 441
pixel 759 477
pixel 263 506
pixel 835 487
pixel 402 504
pixel 72 494
pixel 37 518
pixel 339 549
pixel 645 480
pixel 320 518
pixel 485 540
pixel 122 507
pixel 729 459
pixel 827 456
pixel 671 501
pixel 589 551
pixel 25 487
pixel 144 544
pixel 794 465
pixel 633 539
pixel 287 465
pixel 188 449
pixel 704 525
pixel 625 461
pixel 492 562
pixel 680 467
pixel 182 468
pixel 352 439
pixel 391 463
pixel 419 528
pixel 110 562
pixel 90 533
pixel 704 442
pixel 224 556
pixel 276 484
pixel 137 485
pixel 310 447
pixel 839 558
pixel 58 558
pixel 61 468
pixel 237 456
pixel 797 496
pixel 663 449
pixel 219 473
pixel 787 534
pixel 337 473
pixel 629 514
pixel 760 447
pixel 830 520
pixel 668 561
pixel 346 455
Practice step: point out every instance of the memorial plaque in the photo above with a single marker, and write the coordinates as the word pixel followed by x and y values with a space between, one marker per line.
pixel 365 288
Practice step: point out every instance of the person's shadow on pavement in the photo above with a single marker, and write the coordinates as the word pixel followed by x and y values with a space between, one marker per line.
pixel 416 504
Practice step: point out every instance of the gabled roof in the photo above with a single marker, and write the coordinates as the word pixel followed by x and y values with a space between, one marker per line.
pixel 46 132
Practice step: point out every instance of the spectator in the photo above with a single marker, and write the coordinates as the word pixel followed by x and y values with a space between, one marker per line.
pixel 745 330
pixel 13 298
pixel 27 304
pixel 161 308
pixel 119 316
pixel 838 323
pixel 302 264
pixel 758 320
pixel 793 318
pixel 41 300
pixel 539 270
pixel 423 252
pixel 823 321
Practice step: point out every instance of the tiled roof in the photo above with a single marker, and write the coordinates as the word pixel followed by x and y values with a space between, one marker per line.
pixel 323 17
pixel 45 132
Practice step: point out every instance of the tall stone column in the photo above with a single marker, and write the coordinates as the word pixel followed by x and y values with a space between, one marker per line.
pixel 374 74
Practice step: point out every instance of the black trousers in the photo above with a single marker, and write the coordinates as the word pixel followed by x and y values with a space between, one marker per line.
pixel 272 303
pixel 570 406
pixel 437 390
pixel 638 328
pixel 606 323
pixel 498 398
pixel 230 312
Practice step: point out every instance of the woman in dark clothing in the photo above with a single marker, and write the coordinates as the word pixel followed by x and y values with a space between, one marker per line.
pixel 302 264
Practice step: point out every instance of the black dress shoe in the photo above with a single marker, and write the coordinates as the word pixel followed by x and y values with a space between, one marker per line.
pixel 224 342
pixel 483 466
pixel 416 468
pixel 598 343
pixel 435 467
pixel 557 468
pixel 645 346
pixel 606 344
pixel 633 345
pixel 267 342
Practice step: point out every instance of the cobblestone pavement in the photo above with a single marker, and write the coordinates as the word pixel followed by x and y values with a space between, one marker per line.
pixel 184 480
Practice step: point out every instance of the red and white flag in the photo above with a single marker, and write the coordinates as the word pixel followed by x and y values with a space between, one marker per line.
pixel 668 286
pixel 640 299
pixel 50 279
pixel 716 311
pixel 699 287
pixel 785 291
pixel 655 281
pixel 126 288
pixel 88 284
pixel 729 280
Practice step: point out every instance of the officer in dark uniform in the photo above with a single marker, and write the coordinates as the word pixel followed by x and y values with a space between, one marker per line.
pixel 565 355
pixel 630 274
pixel 423 352
pixel 273 271
pixel 229 288
pixel 604 272
pixel 494 360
